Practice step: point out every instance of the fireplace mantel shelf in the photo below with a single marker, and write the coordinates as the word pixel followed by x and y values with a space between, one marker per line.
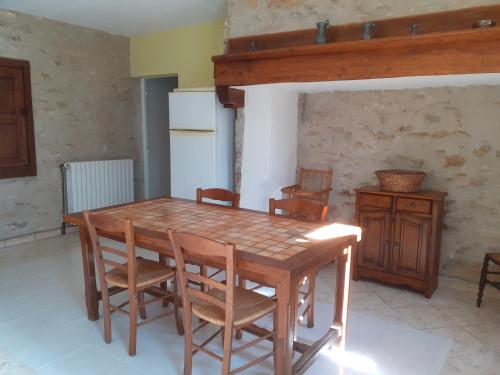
pixel 453 51
pixel 373 45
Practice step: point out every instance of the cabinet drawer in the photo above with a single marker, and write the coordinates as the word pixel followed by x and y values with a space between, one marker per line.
pixel 373 200
pixel 415 205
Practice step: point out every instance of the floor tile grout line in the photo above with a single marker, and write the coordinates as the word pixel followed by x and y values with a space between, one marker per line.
pixel 63 356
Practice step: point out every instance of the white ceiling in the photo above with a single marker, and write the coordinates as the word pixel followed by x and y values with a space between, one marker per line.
pixel 123 17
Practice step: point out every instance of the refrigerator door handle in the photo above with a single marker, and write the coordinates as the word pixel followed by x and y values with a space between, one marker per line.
pixel 191 132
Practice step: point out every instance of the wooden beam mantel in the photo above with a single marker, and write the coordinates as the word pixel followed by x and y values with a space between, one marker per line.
pixel 230 97
pixel 293 57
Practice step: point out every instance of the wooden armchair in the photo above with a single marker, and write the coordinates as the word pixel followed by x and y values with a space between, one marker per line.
pixel 314 184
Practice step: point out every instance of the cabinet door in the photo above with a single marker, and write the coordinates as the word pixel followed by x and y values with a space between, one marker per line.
pixel 374 249
pixel 410 245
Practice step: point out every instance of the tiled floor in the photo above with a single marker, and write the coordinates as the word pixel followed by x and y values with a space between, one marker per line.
pixel 43 324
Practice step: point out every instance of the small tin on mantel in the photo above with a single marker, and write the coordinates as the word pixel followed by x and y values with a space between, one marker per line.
pixel 484 24
pixel 253 46
pixel 414 29
pixel 368 30
pixel 321 37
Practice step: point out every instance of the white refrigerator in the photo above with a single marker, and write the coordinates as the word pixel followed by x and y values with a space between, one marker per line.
pixel 201 143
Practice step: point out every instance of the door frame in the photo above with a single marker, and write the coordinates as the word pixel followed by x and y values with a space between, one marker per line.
pixel 144 129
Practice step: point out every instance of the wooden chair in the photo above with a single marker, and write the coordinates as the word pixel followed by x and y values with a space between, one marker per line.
pixel 221 195
pixel 495 258
pixel 304 209
pixel 314 184
pixel 136 276
pixel 217 194
pixel 309 210
pixel 219 303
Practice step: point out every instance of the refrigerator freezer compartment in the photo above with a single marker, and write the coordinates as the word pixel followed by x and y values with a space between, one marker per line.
pixel 193 110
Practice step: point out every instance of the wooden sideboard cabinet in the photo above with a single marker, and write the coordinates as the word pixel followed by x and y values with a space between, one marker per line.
pixel 401 237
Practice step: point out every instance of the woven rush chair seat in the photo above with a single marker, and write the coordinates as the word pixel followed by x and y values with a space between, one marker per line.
pixel 148 272
pixel 248 307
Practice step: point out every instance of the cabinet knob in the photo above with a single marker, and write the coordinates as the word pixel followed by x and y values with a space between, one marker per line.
pixel 412 205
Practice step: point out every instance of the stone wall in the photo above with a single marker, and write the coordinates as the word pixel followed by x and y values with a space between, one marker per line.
pixel 250 17
pixel 453 134
pixel 86 107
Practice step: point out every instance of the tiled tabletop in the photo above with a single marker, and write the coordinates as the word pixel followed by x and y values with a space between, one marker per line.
pixel 259 233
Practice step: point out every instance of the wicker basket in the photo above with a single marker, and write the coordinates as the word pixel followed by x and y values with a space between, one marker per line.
pixel 400 181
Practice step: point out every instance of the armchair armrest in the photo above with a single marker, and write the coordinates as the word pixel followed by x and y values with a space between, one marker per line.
pixel 289 189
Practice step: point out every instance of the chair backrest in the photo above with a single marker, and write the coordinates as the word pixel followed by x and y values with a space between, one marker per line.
pixel 105 226
pixel 217 194
pixel 304 209
pixel 187 245
pixel 315 180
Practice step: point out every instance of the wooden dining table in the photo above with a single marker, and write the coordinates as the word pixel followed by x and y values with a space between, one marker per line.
pixel 272 250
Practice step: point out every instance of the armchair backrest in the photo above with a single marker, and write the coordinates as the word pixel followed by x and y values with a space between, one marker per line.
pixel 315 180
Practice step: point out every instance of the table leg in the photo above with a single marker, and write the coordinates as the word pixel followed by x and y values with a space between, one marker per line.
pixel 294 302
pixel 91 294
pixel 284 329
pixel 342 294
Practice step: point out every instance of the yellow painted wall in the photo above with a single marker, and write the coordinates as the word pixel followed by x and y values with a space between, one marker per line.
pixel 185 51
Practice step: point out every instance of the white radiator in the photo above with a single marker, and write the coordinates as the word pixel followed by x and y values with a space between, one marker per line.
pixel 95 184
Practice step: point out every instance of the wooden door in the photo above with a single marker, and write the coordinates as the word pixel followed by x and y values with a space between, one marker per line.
pixel 373 252
pixel 17 143
pixel 410 245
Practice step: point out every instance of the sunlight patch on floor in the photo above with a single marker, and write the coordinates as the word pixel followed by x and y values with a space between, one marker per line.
pixel 351 361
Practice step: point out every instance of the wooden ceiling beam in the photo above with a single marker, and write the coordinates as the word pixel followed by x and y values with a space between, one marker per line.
pixel 464 52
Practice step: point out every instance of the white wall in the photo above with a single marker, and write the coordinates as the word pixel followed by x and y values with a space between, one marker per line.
pixel 269 158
